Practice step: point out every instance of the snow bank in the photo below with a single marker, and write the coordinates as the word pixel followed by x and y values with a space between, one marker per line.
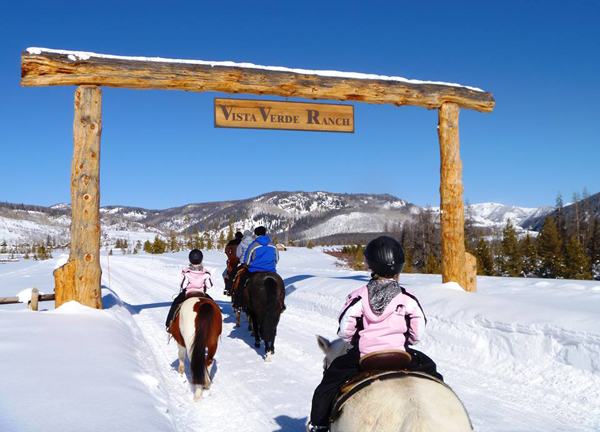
pixel 523 354
pixel 76 369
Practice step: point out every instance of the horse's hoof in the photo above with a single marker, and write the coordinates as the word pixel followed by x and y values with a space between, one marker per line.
pixel 257 344
pixel 237 325
pixel 181 369
pixel 269 357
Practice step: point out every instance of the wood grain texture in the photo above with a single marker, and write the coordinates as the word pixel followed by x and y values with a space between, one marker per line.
pixel 452 215
pixel 471 269
pixel 79 279
pixel 55 69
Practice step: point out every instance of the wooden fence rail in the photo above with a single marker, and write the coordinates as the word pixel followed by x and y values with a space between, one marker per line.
pixel 35 298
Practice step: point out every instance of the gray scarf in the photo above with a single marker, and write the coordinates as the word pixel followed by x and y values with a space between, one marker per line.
pixel 381 293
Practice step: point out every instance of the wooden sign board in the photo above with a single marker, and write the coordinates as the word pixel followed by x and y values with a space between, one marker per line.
pixel 263 114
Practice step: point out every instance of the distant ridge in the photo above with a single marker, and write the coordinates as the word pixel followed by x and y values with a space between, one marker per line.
pixel 299 215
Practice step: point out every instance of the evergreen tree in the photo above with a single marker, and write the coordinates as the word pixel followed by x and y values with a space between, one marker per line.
pixel 530 257
pixel 173 245
pixel 208 241
pixel 593 247
pixel 550 251
pixel 358 257
pixel 230 232
pixel 432 265
pixel 197 242
pixel 560 223
pixel 408 260
pixel 26 256
pixel 577 265
pixel 510 262
pixel 485 261
pixel 147 246
pixel 159 246
pixel 222 240
pixel 135 251
pixel 310 244
pixel 471 233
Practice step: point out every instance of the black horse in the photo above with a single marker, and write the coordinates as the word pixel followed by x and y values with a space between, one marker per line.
pixel 264 298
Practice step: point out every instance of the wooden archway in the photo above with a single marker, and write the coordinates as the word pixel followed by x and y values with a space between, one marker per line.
pixel 79 279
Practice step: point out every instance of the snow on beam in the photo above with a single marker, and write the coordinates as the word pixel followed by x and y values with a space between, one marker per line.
pixel 47 67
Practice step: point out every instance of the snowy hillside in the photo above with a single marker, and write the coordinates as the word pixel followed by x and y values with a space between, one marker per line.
pixel 522 354
pixel 299 215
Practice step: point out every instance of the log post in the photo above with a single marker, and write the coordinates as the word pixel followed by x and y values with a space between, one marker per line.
pixel 79 279
pixel 471 263
pixel 35 297
pixel 452 213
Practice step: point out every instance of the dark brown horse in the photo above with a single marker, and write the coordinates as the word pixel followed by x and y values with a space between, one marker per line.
pixel 264 298
pixel 197 328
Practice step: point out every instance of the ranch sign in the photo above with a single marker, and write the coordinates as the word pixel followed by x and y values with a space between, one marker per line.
pixel 260 114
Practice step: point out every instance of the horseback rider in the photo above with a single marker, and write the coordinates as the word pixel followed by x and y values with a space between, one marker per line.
pixel 194 279
pixel 379 316
pixel 247 238
pixel 261 256
pixel 232 260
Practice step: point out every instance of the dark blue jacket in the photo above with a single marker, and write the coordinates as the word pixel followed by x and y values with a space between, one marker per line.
pixel 261 255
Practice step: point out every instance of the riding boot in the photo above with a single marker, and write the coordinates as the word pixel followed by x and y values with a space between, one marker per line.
pixel 176 302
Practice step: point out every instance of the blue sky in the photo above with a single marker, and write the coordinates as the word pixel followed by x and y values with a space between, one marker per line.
pixel 160 149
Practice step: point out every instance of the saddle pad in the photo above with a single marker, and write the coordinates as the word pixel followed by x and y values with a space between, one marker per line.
pixel 391 360
pixel 364 379
pixel 194 293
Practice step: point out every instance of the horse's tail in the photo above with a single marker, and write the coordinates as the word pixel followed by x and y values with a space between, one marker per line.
pixel 271 313
pixel 204 313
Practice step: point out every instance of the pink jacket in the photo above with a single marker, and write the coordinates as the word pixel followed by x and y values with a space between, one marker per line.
pixel 401 323
pixel 194 279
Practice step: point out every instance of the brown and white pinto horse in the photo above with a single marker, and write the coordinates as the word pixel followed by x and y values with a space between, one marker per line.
pixel 197 328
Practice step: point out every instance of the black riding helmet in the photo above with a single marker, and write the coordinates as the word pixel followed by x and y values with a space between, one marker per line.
pixel 385 256
pixel 196 256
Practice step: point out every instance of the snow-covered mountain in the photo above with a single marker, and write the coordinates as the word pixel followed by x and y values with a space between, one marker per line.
pixel 300 216
pixel 486 214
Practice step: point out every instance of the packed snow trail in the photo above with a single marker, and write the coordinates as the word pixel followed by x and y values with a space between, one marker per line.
pixel 248 394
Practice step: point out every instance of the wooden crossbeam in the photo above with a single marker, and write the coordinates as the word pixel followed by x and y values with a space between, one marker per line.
pixel 41 67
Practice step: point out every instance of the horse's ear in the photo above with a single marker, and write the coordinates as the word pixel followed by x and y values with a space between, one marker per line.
pixel 323 343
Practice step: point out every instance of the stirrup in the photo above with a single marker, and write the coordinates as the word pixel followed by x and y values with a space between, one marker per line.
pixel 312 428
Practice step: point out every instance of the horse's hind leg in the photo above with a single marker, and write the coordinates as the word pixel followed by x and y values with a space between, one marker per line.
pixel 256 330
pixel 181 368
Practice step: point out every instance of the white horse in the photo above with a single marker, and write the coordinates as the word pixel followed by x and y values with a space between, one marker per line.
pixel 197 328
pixel 403 404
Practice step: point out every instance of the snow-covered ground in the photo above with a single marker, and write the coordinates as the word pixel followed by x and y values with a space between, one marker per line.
pixel 523 354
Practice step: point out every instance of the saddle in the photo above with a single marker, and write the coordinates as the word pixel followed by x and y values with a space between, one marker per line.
pixel 377 366
pixel 188 294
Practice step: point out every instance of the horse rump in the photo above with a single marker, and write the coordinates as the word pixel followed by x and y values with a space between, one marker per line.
pixel 204 318
pixel 265 295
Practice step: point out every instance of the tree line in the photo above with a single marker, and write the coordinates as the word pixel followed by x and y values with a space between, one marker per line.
pixel 564 248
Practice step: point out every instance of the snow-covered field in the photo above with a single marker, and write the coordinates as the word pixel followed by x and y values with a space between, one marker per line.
pixel 523 354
